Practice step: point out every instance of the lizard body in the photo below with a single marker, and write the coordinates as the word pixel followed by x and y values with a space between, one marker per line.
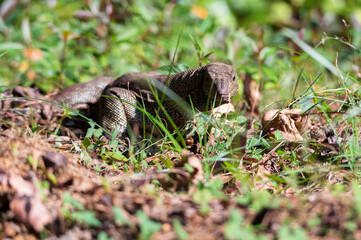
pixel 198 87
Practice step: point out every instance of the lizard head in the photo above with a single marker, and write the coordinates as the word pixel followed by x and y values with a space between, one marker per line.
pixel 221 81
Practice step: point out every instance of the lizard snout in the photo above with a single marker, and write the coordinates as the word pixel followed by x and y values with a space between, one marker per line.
pixel 226 91
pixel 226 97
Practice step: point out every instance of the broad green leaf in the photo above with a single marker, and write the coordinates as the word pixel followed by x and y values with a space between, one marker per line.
pixel 8 46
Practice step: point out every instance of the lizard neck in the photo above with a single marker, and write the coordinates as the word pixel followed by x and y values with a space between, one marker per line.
pixel 189 86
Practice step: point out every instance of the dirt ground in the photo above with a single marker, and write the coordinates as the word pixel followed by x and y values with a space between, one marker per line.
pixel 48 189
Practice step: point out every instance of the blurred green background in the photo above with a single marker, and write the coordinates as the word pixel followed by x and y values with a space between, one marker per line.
pixel 55 43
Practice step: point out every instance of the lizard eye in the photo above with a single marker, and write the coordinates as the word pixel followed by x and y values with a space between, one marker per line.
pixel 234 78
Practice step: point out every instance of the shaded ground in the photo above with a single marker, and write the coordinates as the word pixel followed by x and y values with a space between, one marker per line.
pixel 48 192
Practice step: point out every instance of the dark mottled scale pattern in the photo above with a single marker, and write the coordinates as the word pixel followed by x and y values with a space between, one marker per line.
pixel 199 86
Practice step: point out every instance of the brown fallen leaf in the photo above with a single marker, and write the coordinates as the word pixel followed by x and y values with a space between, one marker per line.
pixel 252 94
pixel 26 204
pixel 20 91
pixel 4 180
pixel 289 122
pixel 223 109
pixel 196 164
pixel 262 180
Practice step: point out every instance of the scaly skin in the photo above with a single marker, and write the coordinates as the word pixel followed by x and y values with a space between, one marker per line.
pixel 198 87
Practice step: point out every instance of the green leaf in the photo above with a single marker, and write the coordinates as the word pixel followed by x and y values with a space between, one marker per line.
pixel 233 226
pixel 196 46
pixel 147 226
pixel 203 198
pixel 7 46
pixel 189 168
pixel 278 135
pixel 98 133
pixel 181 234
pixel 104 236
pixel 86 217
pixel 167 162
pixel 201 124
pixel 311 52
pixel 276 178
pixel 117 155
pixel 86 142
pixel 291 233
pixel 2 54
pixel 168 69
pixel 207 54
pixel 356 190
pixel 91 130
pixel 68 199
pixel 119 216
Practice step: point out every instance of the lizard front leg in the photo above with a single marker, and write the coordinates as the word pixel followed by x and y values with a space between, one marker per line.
pixel 117 110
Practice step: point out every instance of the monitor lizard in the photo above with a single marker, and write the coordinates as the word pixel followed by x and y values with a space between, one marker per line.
pixel 197 87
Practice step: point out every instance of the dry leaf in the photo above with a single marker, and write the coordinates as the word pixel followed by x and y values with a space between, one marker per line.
pixel 223 109
pixel 4 179
pixel 264 182
pixel 196 164
pixel 289 122
pixel 252 94
pixel 26 204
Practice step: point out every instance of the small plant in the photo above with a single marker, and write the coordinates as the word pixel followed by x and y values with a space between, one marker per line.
pixel 80 214
pixel 147 226
pixel 236 229
pixel 181 234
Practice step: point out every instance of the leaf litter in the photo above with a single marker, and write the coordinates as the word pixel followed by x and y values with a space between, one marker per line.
pixel 50 188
